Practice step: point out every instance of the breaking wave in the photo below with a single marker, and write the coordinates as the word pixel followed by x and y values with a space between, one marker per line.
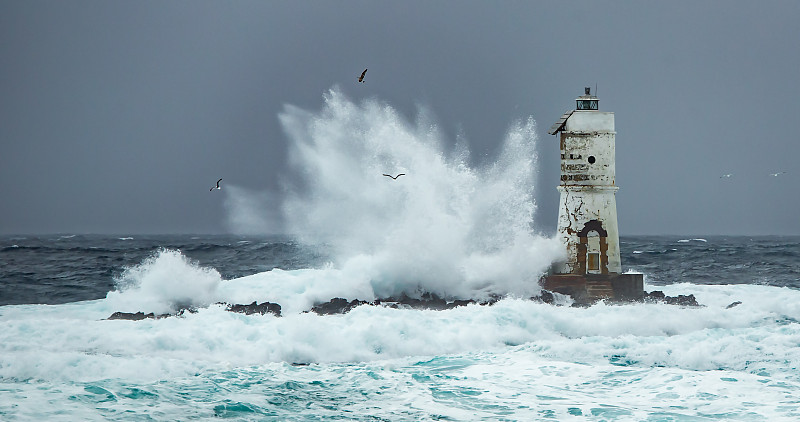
pixel 444 227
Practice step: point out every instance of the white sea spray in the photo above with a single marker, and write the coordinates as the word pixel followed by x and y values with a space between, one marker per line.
pixel 444 227
pixel 165 282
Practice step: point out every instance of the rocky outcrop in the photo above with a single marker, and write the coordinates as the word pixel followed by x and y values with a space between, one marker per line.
pixel 337 305
pixel 658 296
pixel 253 308
pixel 545 296
pixel 137 316
pixel 425 301
pixel 734 304
pixel 429 301
pixel 256 308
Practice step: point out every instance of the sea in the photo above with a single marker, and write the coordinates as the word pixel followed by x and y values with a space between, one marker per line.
pixel 452 226
pixel 517 360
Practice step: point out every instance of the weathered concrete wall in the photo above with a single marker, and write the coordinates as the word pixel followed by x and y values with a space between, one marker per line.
pixel 588 289
pixel 590 121
pixel 587 158
pixel 579 206
pixel 587 220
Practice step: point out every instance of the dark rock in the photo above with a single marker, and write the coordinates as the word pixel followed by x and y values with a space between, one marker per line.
pixel 544 297
pixel 184 311
pixel 659 297
pixel 256 308
pixel 654 296
pixel 430 301
pixel 129 316
pixel 253 308
pixel 336 305
pixel 457 303
pixel 733 305
pixel 683 300
pixel 426 301
pixel 340 305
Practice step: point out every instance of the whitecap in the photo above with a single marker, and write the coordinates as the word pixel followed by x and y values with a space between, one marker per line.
pixel 164 283
pixel 687 338
pixel 690 240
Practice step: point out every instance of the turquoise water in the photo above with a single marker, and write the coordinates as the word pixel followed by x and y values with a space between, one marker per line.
pixel 516 360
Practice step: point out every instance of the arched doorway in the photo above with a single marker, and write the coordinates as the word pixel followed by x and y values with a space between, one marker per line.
pixel 593 249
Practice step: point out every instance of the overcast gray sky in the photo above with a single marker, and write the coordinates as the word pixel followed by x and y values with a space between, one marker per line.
pixel 117 116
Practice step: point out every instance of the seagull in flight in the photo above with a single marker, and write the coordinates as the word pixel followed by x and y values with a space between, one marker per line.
pixel 361 78
pixel 216 187
pixel 777 174
pixel 394 177
pixel 726 175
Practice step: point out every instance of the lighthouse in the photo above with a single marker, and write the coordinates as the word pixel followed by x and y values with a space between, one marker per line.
pixel 587 210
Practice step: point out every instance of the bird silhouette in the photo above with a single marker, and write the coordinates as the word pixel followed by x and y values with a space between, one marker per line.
pixel 216 187
pixel 726 175
pixel 777 174
pixel 394 177
pixel 361 78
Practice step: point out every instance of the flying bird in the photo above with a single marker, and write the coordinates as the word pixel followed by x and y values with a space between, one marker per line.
pixel 216 187
pixel 361 78
pixel 777 174
pixel 394 177
pixel 726 175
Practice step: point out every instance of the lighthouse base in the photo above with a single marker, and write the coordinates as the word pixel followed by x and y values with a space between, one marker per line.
pixel 590 288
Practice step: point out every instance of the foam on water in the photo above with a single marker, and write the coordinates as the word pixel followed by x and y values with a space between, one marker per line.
pixel 706 338
pixel 516 355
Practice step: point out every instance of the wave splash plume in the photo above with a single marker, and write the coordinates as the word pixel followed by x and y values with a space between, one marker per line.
pixel 165 282
pixel 445 227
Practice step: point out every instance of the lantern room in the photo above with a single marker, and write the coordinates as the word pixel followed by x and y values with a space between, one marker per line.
pixel 586 101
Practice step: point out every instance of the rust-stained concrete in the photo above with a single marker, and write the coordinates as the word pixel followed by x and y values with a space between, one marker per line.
pixel 587 217
pixel 586 289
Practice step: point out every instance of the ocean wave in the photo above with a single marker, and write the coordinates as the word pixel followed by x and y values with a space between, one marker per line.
pixel 445 227
pixel 706 338
pixel 163 283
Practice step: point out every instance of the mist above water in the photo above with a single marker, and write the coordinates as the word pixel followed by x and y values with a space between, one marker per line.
pixel 444 227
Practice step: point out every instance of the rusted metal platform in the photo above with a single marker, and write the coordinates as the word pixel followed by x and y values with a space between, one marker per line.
pixel 590 288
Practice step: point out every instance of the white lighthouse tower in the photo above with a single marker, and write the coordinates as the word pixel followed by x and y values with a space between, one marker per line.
pixel 587 216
